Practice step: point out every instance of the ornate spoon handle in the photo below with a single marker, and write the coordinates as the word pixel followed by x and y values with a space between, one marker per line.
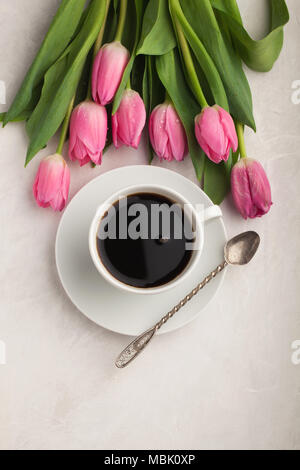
pixel 139 343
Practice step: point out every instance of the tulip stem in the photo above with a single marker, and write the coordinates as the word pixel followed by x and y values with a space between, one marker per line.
pixel 122 18
pixel 168 98
pixel 89 92
pixel 241 137
pixel 99 40
pixel 187 56
pixel 65 127
pixel 128 85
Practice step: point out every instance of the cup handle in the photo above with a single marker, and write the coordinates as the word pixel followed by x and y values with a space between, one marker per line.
pixel 211 212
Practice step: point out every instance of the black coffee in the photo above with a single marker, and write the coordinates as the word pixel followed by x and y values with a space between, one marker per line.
pixel 145 248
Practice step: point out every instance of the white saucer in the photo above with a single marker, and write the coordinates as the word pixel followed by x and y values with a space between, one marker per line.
pixel 118 311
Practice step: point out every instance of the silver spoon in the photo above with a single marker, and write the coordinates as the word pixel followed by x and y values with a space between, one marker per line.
pixel 238 251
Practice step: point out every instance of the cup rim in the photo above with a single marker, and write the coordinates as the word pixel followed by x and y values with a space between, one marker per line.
pixel 139 188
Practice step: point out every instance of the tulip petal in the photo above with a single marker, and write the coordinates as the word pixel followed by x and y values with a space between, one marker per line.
pixel 95 74
pixel 158 136
pixel 91 126
pixel 229 128
pixel 130 119
pixel 241 189
pixel 212 131
pixel 108 70
pixel 215 132
pixel 88 131
pixel 51 185
pixel 260 187
pixel 250 188
pixel 167 134
pixel 176 134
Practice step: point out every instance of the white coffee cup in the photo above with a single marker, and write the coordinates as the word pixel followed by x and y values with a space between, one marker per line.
pixel 198 216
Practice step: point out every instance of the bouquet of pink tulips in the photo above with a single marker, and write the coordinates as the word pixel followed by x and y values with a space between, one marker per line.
pixel 108 68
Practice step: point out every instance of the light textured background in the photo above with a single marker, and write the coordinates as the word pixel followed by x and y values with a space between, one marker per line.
pixel 225 381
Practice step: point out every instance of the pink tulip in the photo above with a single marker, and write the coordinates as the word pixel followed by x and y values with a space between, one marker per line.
pixel 250 188
pixel 129 120
pixel 167 134
pixel 108 69
pixel 88 131
pixel 52 182
pixel 215 132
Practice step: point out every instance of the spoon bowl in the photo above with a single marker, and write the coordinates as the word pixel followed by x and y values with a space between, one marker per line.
pixel 241 249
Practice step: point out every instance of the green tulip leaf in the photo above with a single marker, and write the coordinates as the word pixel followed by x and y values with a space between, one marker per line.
pixel 216 181
pixel 258 55
pixel 83 86
pixel 146 90
pixel 201 18
pixel 137 74
pixel 22 117
pixel 216 177
pixel 26 113
pixel 156 90
pixel 205 61
pixel 111 25
pixel 59 35
pixel 170 73
pixel 61 82
pixel 157 36
pixel 116 4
